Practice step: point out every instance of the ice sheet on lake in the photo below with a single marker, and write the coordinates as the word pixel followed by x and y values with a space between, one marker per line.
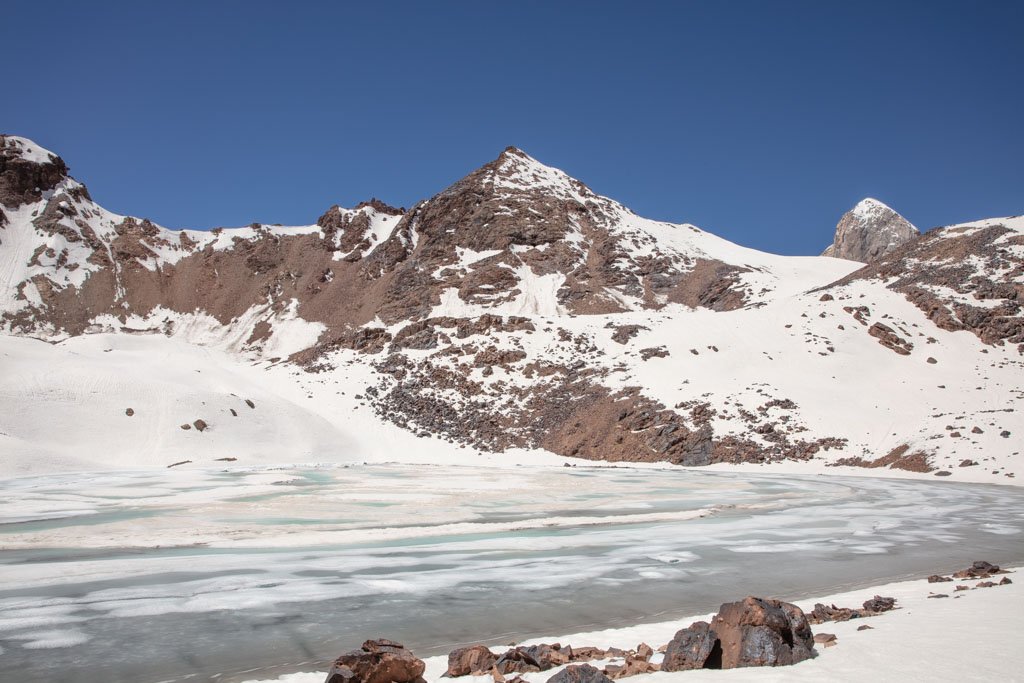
pixel 426 553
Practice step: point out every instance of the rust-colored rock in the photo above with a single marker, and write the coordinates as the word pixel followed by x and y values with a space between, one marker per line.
pixel 888 338
pixel 762 632
pixel 378 661
pixel 474 660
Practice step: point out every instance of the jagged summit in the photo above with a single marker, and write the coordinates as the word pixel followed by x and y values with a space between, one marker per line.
pixel 868 231
pixel 512 150
pixel 514 172
pixel 26 171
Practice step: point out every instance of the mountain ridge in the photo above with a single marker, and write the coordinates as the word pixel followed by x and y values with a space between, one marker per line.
pixel 516 310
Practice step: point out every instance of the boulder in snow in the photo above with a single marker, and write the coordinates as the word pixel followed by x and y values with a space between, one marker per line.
pixel 378 661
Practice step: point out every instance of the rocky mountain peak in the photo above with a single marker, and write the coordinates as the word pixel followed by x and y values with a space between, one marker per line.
pixel 13 146
pixel 513 151
pixel 868 231
pixel 511 202
pixel 26 171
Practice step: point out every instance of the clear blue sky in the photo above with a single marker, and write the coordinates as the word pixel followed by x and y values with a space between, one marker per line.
pixel 760 121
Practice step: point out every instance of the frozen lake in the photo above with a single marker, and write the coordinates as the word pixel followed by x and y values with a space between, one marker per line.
pixel 180 575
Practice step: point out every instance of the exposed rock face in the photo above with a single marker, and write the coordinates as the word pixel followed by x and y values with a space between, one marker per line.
pixel 474 660
pixel 694 647
pixel 762 632
pixel 378 661
pixel 870 230
pixel 26 171
pixel 888 338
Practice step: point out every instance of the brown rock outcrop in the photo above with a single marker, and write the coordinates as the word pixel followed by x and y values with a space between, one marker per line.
pixel 888 338
pixel 378 661
pixel 762 632
pixel 899 458
pixel 23 181
pixel 474 660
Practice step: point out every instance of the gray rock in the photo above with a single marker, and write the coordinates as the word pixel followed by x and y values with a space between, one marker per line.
pixel 870 230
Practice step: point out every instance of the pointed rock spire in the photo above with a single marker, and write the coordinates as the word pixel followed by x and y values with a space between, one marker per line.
pixel 869 230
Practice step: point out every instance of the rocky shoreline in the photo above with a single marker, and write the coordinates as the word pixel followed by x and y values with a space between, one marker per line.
pixel 752 632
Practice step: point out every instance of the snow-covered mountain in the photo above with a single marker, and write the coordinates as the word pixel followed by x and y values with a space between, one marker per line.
pixel 515 313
